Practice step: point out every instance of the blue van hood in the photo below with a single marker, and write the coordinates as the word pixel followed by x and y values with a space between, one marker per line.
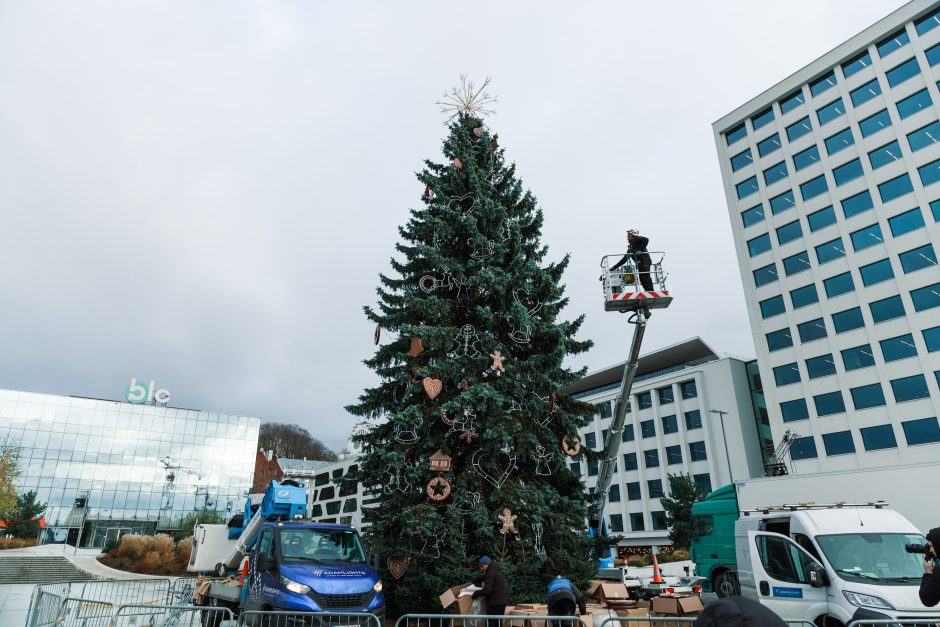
pixel 332 578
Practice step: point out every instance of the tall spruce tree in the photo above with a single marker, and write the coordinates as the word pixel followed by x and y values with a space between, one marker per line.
pixel 474 373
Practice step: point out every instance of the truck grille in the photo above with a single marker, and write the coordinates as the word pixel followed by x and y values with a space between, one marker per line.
pixel 342 601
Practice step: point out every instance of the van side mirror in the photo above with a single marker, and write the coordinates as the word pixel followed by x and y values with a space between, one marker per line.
pixel 818 577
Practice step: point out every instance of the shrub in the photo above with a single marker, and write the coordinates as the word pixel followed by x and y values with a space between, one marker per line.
pixel 152 555
pixel 636 561
pixel 16 543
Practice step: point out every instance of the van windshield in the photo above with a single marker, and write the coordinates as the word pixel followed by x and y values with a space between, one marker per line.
pixel 321 546
pixel 874 557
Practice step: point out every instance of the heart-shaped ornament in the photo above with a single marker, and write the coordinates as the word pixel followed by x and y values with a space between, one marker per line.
pixel 432 387
pixel 464 204
pixel 398 565
pixel 478 131
pixel 458 163
pixel 494 468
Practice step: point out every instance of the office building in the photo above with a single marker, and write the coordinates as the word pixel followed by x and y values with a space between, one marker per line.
pixel 107 468
pixel 692 411
pixel 831 178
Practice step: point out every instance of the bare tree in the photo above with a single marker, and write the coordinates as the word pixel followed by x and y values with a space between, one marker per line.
pixel 292 441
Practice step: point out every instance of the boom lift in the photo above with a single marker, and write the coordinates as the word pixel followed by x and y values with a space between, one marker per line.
pixel 776 466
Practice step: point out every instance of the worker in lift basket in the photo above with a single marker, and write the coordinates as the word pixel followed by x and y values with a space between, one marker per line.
pixel 562 597
pixel 930 582
pixel 636 250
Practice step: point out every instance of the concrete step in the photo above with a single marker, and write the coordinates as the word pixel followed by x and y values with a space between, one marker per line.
pixel 39 570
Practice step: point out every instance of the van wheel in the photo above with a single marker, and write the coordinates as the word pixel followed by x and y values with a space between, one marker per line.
pixel 725 584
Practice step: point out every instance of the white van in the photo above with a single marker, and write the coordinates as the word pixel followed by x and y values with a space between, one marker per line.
pixel 843 563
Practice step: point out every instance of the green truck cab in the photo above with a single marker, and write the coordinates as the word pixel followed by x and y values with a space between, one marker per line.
pixel 713 547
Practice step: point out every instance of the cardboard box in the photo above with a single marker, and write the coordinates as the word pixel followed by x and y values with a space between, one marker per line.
pixel 526 623
pixel 597 618
pixel 638 612
pixel 612 591
pixel 676 606
pixel 452 596
pixel 592 590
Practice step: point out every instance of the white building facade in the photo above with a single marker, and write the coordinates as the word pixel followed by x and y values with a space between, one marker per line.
pixel 686 402
pixel 831 178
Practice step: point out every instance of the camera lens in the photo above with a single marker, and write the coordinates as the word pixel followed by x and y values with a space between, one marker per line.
pixel 916 548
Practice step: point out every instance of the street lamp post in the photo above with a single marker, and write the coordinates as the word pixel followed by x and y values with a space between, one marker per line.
pixel 724 438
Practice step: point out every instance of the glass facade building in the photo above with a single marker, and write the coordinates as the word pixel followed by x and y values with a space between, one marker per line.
pixel 838 254
pixel 106 468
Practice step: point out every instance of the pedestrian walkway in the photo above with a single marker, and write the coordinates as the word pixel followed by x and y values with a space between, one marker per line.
pixel 14 604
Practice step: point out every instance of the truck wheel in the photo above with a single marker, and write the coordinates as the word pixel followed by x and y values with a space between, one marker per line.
pixel 725 584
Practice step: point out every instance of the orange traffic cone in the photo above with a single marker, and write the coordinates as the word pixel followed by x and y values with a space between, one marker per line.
pixel 657 577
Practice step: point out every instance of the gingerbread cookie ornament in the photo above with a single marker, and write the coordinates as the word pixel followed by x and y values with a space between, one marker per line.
pixel 497 368
pixel 509 522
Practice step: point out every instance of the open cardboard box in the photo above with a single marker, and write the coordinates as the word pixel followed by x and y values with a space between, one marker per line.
pixel 638 612
pixel 676 605
pixel 516 612
pixel 452 596
pixel 609 591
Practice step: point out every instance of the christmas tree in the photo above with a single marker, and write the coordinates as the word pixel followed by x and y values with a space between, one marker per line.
pixel 471 447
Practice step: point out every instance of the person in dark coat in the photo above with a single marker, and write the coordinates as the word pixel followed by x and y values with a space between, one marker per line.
pixel 930 582
pixel 737 612
pixel 494 589
pixel 636 250
pixel 562 597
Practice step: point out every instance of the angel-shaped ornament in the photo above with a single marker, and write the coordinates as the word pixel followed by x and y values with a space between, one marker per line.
pixel 542 466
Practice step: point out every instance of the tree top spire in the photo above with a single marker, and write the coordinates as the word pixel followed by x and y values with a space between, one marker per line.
pixel 467 99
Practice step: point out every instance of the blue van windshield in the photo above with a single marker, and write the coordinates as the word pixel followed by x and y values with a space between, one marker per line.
pixel 874 557
pixel 321 546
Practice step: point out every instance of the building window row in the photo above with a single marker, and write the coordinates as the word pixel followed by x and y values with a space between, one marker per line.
pixel 921 431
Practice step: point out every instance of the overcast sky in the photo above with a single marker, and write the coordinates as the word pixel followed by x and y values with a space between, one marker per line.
pixel 204 192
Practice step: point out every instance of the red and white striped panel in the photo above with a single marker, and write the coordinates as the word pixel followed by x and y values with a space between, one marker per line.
pixel 639 295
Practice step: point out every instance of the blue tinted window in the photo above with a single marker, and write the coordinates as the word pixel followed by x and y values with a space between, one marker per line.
pixel 933 55
pixel 628 435
pixel 923 137
pixel 651 458
pixel 930 173
pixel 886 309
pixel 665 395
pixel 856 64
pixel 874 123
pixel 794 410
pixel 772 307
pixel 869 236
pixel 910 388
pixel 693 420
pixel 796 263
pixel 688 389
pixel 822 84
pixel 779 339
pixel 697 451
pixel 803 296
pixel 753 215
pixel 792 101
pixel 738 132
pixel 812 330
pixel 914 104
pixel 644 400
pixel 866 92
pixel 629 461
pixel 906 222
pixel 655 487
pixel 839 141
pixel 932 339
pixel 803 448
pixel 775 172
pixel 648 429
pixel 828 404
pixel 900 73
pixel 633 491
pixel 876 272
pixel 741 159
pixel 892 43
pixel 895 188
pixel 921 431
pixel 765 275
pixel 889 153
pixel 758 245
pixel 847 172
pixel 839 284
pixel 821 219
pixel 832 249
pixel 670 424
pixel 798 129
pixel 918 259
pixel 830 112
pixel 763 118
pixel 900 347
pixel 839 443
pixel 806 158
pixel 769 145
pixel 614 493
pixel 858 357
pixel 821 366
pixel 935 210
pixel 867 396
pixel 789 232
pixel 928 22
pixel 590 440
pixel 859 203
pixel 786 374
pixel 814 187
pixel 747 187
pixel 877 438
pixel 782 202
pixel 848 320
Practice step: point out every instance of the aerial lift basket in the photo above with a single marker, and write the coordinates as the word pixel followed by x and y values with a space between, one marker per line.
pixel 623 289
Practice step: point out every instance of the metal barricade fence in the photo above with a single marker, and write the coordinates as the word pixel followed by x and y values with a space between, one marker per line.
pixel 483 620
pixel 656 621
pixel 78 612
pixel 181 592
pixel 140 614
pixel 309 619
pixel 926 621
pixel 126 591
pixel 43 608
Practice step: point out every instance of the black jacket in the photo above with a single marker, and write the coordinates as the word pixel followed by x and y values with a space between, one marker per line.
pixel 494 586
pixel 737 612
pixel 637 251
pixel 562 599
pixel 930 582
